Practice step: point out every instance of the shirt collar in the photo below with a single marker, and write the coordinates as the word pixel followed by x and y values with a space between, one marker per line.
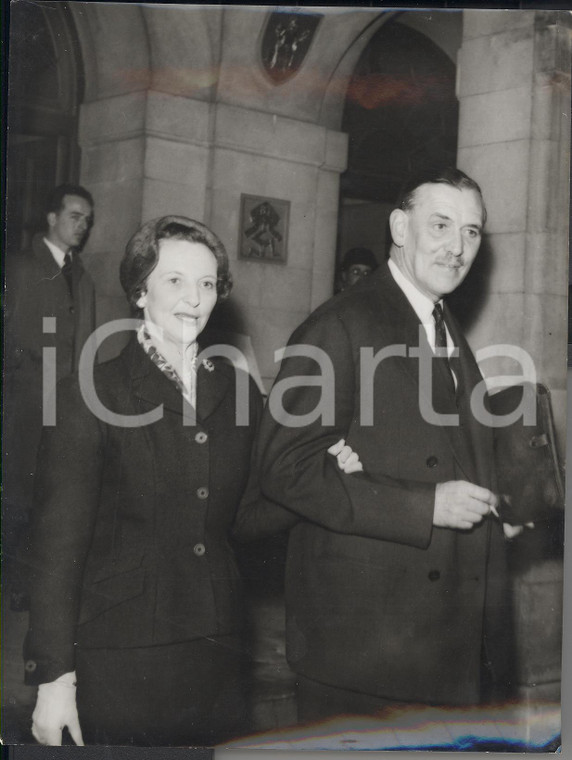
pixel 56 252
pixel 186 385
pixel 422 304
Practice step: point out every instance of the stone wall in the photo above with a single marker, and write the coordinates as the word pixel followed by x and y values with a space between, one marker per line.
pixel 178 117
pixel 195 132
pixel 514 138
pixel 184 120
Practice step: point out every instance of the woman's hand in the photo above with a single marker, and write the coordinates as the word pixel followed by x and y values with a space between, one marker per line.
pixel 348 459
pixel 56 708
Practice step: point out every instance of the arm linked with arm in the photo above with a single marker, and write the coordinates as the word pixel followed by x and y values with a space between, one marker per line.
pixel 295 468
pixel 258 517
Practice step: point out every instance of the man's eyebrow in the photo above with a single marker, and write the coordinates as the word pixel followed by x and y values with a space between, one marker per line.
pixel 445 218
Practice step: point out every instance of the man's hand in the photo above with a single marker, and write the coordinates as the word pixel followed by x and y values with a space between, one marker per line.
pixel 462 505
pixel 348 459
pixel 512 531
pixel 56 708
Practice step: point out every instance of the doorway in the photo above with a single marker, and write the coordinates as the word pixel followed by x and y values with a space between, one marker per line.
pixel 401 115
pixel 45 89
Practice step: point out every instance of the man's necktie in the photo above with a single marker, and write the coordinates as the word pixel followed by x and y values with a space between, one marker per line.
pixel 441 343
pixel 464 439
pixel 67 270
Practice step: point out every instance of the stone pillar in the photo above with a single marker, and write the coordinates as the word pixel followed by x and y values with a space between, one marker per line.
pixel 144 154
pixel 150 153
pixel 514 138
pixel 258 153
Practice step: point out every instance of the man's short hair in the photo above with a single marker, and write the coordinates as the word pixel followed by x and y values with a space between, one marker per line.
pixel 55 201
pixel 361 256
pixel 447 176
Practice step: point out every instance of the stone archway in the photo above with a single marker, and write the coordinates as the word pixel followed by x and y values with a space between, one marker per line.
pixel 401 115
pixel 46 87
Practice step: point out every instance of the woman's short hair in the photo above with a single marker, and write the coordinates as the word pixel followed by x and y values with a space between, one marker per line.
pixel 142 253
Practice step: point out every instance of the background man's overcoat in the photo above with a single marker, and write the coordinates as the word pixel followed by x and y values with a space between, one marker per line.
pixel 36 288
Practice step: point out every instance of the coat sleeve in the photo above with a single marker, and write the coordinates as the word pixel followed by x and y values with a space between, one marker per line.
pixel 295 469
pixel 17 315
pixel 67 488
pixel 257 516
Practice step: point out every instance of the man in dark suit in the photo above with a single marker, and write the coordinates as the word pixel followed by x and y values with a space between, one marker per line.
pixel 395 576
pixel 50 304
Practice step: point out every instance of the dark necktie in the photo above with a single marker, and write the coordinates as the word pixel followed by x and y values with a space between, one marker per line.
pixel 464 439
pixel 67 270
pixel 441 342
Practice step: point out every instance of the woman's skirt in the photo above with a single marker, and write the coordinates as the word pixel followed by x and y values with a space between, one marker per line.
pixel 186 694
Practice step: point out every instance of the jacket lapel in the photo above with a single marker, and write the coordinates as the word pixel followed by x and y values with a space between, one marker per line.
pixel 50 269
pixel 152 385
pixel 78 273
pixel 401 325
pixel 479 435
pixel 149 384
pixel 46 264
pixel 212 386
pixel 397 320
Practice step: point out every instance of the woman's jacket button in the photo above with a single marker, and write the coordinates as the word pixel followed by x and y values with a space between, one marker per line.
pixel 199 549
pixel 30 666
pixel 203 492
pixel 201 437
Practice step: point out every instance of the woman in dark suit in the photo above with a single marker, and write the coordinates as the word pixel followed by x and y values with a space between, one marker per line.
pixel 137 596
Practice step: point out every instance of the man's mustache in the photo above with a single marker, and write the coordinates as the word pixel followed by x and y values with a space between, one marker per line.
pixel 453 263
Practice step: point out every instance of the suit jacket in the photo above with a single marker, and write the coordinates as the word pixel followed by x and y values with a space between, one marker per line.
pixel 378 599
pixel 130 544
pixel 36 288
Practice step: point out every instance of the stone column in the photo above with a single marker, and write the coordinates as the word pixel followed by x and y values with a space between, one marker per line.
pixel 271 156
pixel 144 154
pixel 150 153
pixel 514 138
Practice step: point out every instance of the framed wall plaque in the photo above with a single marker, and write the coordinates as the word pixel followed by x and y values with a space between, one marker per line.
pixel 263 232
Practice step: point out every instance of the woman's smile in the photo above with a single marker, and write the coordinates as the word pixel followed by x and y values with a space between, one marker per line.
pixel 180 295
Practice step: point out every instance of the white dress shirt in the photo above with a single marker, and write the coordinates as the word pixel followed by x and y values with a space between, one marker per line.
pixel 422 305
pixel 56 252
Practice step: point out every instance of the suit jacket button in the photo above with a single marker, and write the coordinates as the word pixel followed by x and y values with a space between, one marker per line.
pixel 199 549
pixel 434 575
pixel 30 666
pixel 72 309
pixel 432 462
pixel 201 437
pixel 203 492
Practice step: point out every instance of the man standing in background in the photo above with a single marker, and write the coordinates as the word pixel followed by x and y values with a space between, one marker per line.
pixel 49 302
pixel 357 263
